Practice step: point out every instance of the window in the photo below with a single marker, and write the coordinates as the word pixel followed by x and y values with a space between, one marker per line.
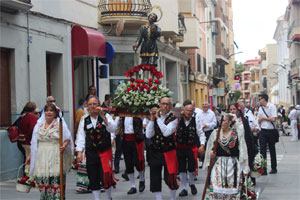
pixel 198 62
pixel 121 64
pixel 5 111
pixel 204 65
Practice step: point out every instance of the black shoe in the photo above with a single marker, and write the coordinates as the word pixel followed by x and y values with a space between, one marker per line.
pixel 125 176
pixel 183 193
pixel 142 186
pixel 193 189
pixel 265 172
pixel 273 171
pixel 132 191
pixel 116 171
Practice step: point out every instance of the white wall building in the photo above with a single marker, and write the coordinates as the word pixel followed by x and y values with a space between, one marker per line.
pixel 282 64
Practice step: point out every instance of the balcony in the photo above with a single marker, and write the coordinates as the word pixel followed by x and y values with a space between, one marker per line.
pixel 191 38
pixel 181 29
pixel 294 31
pixel 14 6
pixel 222 55
pixel 133 12
pixel 295 66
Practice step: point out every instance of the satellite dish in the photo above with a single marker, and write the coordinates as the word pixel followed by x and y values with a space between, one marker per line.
pixel 225 77
pixel 120 27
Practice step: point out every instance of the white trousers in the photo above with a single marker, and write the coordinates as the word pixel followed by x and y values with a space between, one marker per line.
pixel 294 130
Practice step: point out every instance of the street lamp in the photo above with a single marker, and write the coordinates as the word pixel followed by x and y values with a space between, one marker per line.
pixel 234 54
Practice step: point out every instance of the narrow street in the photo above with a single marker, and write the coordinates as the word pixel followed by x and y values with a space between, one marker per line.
pixel 282 186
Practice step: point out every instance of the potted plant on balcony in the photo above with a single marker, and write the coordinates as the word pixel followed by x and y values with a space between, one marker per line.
pixel 141 93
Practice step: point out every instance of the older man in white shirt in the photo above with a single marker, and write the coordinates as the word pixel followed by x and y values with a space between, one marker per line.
pixel 293 115
pixel 267 115
pixel 208 119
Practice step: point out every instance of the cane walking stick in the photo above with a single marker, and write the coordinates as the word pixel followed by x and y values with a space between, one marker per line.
pixel 211 162
pixel 61 182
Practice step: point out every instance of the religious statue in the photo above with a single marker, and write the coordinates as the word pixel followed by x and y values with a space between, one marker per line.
pixel 148 35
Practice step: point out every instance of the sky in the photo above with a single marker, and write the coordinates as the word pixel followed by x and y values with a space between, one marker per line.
pixel 254 24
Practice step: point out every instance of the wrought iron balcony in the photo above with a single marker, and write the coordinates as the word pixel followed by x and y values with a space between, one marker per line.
pixel 13 6
pixel 132 11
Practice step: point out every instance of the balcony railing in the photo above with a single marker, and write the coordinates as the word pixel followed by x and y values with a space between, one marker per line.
pixel 295 24
pixel 13 6
pixel 110 9
pixel 181 25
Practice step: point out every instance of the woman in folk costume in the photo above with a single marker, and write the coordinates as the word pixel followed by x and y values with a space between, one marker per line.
pixel 231 159
pixel 238 110
pixel 45 151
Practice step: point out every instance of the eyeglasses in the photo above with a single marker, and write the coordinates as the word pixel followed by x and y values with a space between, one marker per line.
pixel 52 101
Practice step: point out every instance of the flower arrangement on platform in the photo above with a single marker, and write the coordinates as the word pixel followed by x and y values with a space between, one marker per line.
pixel 140 93
pixel 258 166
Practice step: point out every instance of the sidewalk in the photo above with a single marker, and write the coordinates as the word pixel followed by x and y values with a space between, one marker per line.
pixel 285 185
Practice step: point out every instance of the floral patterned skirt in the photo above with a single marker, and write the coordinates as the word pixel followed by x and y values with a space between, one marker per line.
pixel 49 187
pixel 46 170
pixel 225 179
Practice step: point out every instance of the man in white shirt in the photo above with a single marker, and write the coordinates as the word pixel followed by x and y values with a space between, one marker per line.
pixel 268 135
pixel 208 119
pixel 293 115
pixel 189 134
pixel 94 137
pixel 162 152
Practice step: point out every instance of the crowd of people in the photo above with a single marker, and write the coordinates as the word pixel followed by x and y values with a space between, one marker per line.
pixel 175 143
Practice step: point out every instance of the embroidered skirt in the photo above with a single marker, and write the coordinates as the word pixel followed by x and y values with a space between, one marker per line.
pixel 225 179
pixel 46 170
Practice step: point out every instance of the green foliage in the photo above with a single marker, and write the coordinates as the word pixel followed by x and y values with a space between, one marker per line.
pixel 237 95
pixel 239 68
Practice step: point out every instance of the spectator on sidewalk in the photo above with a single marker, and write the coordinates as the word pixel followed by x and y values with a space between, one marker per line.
pixel 25 129
pixel 267 115
pixel 293 118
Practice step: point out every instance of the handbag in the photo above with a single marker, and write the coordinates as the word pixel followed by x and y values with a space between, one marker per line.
pixel 13 131
pixel 276 132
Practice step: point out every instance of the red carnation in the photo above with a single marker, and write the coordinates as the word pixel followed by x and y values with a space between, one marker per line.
pixel 132 79
pixel 150 84
pixel 135 88
pixel 126 74
pixel 150 79
pixel 144 85
pixel 131 85
pixel 253 196
pixel 33 184
pixel 137 80
pixel 138 85
pixel 147 67
pixel 141 88
pixel 147 88
pixel 23 180
pixel 142 81
pixel 128 89
pixel 136 69
pixel 157 81
pixel 154 88
pixel 260 171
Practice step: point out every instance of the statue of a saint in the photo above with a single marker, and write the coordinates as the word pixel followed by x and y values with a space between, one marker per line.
pixel 148 35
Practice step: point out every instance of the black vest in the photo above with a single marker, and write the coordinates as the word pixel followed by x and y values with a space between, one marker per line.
pixel 187 135
pixel 137 128
pixel 96 139
pixel 232 149
pixel 161 143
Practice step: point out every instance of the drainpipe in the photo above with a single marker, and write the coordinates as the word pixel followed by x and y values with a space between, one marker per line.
pixel 28 57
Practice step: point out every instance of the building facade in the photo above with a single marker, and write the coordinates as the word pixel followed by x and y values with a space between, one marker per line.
pixel 293 39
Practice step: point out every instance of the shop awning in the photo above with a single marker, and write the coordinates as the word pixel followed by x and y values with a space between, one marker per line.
pixel 88 42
